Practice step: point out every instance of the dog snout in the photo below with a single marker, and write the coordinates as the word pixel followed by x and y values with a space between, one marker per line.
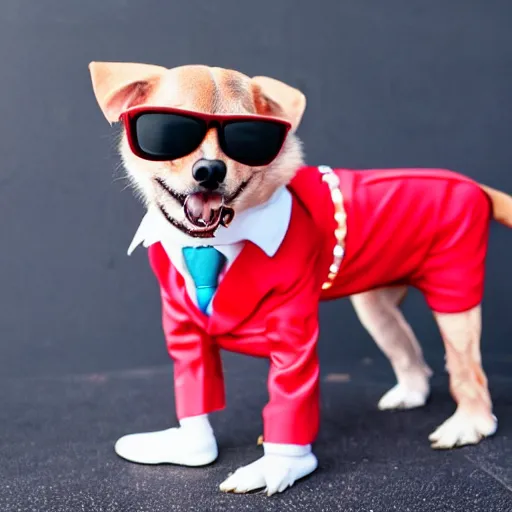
pixel 209 173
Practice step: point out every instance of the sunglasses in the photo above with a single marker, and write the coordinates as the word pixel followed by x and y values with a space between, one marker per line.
pixel 163 134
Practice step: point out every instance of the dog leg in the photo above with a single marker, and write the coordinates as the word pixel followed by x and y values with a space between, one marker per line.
pixel 473 419
pixel 280 467
pixel 192 444
pixel 380 315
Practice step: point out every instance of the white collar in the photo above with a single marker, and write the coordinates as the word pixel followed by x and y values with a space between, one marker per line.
pixel 264 225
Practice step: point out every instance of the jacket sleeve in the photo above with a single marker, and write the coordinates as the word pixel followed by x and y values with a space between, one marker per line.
pixel 292 413
pixel 198 378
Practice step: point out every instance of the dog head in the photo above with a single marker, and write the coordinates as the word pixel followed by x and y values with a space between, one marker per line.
pixel 179 186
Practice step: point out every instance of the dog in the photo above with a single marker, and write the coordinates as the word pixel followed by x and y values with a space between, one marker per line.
pixel 245 240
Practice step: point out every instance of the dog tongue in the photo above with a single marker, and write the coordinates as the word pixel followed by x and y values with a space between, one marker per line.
pixel 203 209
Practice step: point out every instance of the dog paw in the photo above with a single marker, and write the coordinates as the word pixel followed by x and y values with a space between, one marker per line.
pixel 463 428
pixel 274 473
pixel 245 479
pixel 400 397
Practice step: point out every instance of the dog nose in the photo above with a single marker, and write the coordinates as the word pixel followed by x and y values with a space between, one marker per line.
pixel 209 173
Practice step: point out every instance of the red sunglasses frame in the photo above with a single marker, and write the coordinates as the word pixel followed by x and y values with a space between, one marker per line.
pixel 216 121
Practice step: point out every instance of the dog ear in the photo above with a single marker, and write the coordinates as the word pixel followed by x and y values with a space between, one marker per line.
pixel 119 85
pixel 273 97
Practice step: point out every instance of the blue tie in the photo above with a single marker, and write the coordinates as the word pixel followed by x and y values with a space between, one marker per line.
pixel 204 265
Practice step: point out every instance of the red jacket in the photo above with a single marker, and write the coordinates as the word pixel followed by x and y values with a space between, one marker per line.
pixel 402 226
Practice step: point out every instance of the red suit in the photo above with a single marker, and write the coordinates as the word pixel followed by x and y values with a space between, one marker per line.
pixel 427 228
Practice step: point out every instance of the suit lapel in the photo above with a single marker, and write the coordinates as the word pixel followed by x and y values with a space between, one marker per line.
pixel 179 291
pixel 241 290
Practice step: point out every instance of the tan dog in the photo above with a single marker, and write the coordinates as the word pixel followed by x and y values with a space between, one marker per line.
pixel 119 86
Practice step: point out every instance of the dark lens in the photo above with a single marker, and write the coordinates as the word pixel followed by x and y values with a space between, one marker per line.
pixel 253 143
pixel 164 136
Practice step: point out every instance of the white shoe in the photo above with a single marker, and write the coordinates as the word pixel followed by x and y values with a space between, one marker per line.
pixel 189 445
pixel 278 469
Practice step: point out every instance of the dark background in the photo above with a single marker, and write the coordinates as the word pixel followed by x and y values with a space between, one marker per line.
pixel 395 83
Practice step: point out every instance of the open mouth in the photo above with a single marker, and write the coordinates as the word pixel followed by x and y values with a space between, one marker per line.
pixel 205 210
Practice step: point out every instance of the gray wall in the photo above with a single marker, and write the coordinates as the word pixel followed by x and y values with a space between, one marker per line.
pixel 394 83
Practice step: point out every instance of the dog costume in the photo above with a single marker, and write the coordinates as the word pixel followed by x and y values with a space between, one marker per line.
pixel 335 233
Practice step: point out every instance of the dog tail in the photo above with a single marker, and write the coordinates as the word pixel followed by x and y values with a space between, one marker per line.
pixel 501 205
